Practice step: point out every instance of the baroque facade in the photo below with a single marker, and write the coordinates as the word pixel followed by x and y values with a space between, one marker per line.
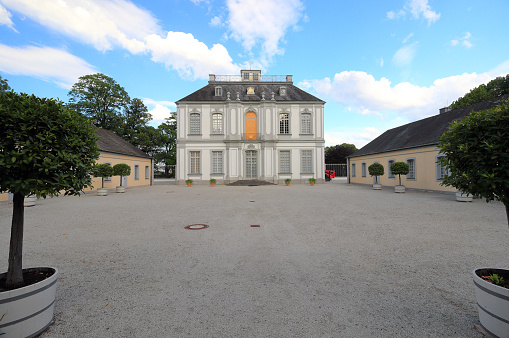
pixel 250 127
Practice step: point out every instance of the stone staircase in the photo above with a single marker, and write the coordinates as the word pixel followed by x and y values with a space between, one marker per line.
pixel 250 183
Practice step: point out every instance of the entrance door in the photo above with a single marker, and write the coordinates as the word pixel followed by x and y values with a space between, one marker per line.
pixel 251 164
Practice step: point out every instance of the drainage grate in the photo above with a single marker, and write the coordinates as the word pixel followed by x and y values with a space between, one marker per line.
pixel 255 225
pixel 196 226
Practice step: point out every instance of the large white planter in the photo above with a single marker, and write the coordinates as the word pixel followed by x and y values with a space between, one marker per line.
pixel 463 197
pixel 28 311
pixel 377 187
pixel 120 189
pixel 102 192
pixel 399 188
pixel 29 201
pixel 492 303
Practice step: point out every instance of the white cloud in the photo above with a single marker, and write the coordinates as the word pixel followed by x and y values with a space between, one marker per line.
pixel 405 55
pixel 358 137
pixel 160 110
pixel 190 57
pixel 416 8
pixel 465 41
pixel 265 21
pixel 101 23
pixel 409 36
pixel 48 64
pixel 5 18
pixel 215 22
pixel 363 93
pixel 107 24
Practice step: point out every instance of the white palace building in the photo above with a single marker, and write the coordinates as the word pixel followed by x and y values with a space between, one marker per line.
pixel 250 127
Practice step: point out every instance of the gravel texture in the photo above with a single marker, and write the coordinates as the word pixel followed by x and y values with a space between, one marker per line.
pixel 333 260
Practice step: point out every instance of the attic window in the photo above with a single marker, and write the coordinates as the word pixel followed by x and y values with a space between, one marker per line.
pixel 219 91
pixel 282 91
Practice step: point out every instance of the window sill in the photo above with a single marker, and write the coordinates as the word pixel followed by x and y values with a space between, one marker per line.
pixel 284 134
pixel 311 134
pixel 194 134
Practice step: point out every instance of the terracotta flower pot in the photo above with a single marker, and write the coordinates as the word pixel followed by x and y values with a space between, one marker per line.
pixel 312 183
pixel 213 184
pixel 188 184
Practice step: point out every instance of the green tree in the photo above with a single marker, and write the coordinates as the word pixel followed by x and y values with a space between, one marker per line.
pixel 102 170
pixel 494 88
pixel 149 140
pixel 477 156
pixel 45 149
pixel 167 154
pixel 400 168
pixel 339 153
pixel 4 86
pixel 101 99
pixel 376 170
pixel 136 117
pixel 121 169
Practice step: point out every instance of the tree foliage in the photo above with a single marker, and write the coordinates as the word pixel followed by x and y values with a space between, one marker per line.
pixel 168 142
pixel 376 169
pixel 121 169
pixel 477 156
pixel 101 99
pixel 400 168
pixel 45 149
pixel 135 119
pixel 339 153
pixel 102 170
pixel 494 88
pixel 4 85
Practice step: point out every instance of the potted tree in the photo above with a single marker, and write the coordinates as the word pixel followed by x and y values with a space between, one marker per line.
pixel 102 170
pixel 376 170
pixel 312 181
pixel 399 168
pixel 287 181
pixel 213 182
pixel 189 182
pixel 475 150
pixel 121 169
pixel 46 150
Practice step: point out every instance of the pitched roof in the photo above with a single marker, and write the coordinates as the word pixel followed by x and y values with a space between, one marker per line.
pixel 110 142
pixel 423 132
pixel 207 93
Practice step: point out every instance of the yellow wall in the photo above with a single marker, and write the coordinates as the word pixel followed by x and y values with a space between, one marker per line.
pixel 115 180
pixel 130 161
pixel 425 158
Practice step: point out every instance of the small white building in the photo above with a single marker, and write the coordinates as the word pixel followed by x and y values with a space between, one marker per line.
pixel 250 127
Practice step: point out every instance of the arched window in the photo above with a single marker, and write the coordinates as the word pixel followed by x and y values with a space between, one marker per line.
pixel 194 124
pixel 305 123
pixel 284 123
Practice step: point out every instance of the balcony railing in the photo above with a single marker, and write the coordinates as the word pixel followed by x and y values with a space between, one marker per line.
pixel 262 78
pixel 251 137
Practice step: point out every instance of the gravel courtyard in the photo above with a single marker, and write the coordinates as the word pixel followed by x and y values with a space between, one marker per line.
pixel 333 260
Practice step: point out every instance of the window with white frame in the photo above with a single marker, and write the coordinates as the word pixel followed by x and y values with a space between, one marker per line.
pixel 284 161
pixel 107 179
pixel 411 166
pixel 136 172
pixel 305 123
pixel 284 123
pixel 147 172
pixel 354 173
pixel 441 171
pixel 217 123
pixel 194 124
pixel 217 162
pixel 390 174
pixel 306 162
pixel 282 91
pixel 219 91
pixel 363 169
pixel 195 162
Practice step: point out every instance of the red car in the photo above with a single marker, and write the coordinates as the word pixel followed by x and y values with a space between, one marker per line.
pixel 329 174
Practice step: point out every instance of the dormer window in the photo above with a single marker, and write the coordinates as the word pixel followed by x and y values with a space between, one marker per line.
pixel 219 91
pixel 282 91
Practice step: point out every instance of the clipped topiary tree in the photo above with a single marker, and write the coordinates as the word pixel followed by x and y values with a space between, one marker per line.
pixel 45 150
pixel 376 170
pixel 477 156
pixel 400 168
pixel 121 169
pixel 102 170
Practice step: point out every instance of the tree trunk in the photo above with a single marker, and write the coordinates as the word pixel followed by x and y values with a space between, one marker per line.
pixel 102 182
pixel 120 180
pixel 507 212
pixel 15 270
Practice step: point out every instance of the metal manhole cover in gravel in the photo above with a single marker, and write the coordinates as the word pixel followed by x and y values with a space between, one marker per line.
pixel 196 226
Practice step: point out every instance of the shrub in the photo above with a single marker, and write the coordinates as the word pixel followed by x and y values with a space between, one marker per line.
pixel 400 168
pixel 121 169
pixel 376 170
pixel 102 170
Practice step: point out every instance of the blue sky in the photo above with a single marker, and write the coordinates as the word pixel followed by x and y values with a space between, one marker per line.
pixel 377 64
